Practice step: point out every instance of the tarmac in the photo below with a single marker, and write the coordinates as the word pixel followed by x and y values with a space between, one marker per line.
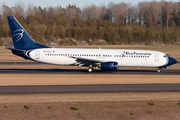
pixel 89 88
pixel 85 88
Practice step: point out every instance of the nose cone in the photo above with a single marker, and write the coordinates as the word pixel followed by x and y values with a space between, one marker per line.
pixel 171 61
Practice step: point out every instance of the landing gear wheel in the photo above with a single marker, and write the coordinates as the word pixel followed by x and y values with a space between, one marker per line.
pixel 90 69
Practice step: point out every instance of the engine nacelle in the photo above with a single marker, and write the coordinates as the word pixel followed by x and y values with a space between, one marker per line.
pixel 109 66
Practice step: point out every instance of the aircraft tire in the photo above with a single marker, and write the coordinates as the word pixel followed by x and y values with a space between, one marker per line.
pixel 90 69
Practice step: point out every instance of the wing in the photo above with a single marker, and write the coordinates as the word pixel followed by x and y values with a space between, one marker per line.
pixel 86 61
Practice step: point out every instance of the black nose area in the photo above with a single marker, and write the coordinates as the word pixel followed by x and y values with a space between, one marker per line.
pixel 171 61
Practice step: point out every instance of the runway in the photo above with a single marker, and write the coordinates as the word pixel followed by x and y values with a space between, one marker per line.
pixel 84 71
pixel 85 88
pixel 89 88
pixel 79 71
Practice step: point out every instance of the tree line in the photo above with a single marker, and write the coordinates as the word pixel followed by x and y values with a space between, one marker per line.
pixel 122 23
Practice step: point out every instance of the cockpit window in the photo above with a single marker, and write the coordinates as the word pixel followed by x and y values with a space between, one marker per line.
pixel 166 55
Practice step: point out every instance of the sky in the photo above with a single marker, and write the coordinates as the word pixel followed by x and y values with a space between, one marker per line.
pixel 64 3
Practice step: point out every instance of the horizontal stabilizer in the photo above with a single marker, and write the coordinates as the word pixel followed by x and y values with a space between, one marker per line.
pixel 12 48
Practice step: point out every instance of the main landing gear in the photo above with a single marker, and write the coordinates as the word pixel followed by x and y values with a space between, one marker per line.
pixel 90 69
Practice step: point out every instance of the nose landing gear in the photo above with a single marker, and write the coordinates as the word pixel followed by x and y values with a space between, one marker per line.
pixel 159 69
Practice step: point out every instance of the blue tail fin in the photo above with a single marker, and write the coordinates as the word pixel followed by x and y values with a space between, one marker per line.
pixel 21 39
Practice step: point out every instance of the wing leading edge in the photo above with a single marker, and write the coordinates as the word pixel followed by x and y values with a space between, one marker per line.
pixel 86 61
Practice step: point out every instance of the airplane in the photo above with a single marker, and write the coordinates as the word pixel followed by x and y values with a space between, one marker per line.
pixel 106 59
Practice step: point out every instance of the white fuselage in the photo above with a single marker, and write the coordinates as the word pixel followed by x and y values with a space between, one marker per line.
pixel 124 57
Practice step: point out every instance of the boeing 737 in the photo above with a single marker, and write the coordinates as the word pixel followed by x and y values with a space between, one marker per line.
pixel 106 59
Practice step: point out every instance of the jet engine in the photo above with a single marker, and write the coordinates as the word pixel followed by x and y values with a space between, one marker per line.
pixel 109 66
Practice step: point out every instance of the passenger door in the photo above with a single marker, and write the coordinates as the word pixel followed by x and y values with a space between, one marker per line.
pixel 37 54
pixel 156 57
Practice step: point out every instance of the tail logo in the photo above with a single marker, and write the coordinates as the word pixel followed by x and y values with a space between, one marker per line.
pixel 18 34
